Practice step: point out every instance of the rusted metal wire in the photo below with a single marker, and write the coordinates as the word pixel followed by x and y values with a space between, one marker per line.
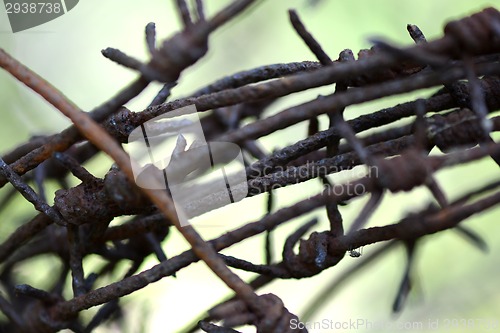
pixel 456 120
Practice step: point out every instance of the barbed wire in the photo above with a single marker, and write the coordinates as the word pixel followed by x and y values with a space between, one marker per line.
pixel 456 120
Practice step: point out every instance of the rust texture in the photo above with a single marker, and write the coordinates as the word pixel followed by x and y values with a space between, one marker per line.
pixel 457 119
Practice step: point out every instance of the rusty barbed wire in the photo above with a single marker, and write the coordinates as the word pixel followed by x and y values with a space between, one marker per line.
pixel 465 61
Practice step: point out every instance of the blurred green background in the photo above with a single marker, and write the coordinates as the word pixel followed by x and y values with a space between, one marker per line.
pixel 453 279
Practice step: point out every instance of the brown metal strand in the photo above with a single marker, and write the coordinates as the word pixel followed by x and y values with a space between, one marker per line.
pixel 467 50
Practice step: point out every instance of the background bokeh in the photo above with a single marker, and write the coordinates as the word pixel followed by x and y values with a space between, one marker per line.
pixel 453 280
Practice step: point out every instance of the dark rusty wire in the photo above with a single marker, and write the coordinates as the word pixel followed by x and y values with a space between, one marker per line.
pixel 461 120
